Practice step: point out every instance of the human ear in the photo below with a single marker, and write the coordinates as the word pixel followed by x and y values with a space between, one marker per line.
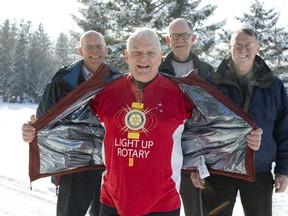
pixel 126 54
pixel 194 37
pixel 168 40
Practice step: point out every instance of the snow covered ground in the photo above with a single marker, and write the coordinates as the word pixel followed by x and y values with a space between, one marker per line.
pixel 15 195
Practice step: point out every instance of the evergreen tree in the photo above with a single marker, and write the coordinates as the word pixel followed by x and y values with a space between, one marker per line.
pixel 278 55
pixel 43 65
pixel 20 73
pixel 7 47
pixel 27 62
pixel 270 35
pixel 74 43
pixel 222 49
pixel 63 52
pixel 116 19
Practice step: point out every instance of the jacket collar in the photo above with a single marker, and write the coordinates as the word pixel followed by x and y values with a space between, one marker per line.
pixel 166 65
pixel 74 72
pixel 262 75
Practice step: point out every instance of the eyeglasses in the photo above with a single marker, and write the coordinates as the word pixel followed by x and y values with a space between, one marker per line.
pixel 184 36
pixel 245 46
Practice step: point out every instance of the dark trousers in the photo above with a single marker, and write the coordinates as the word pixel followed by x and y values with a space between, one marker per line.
pixel 77 192
pixel 190 195
pixel 220 194
pixel 106 210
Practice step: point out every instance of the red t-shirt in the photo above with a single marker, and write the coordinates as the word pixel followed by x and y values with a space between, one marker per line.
pixel 142 145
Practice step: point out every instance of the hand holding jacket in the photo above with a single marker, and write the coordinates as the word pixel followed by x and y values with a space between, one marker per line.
pixel 28 131
pixel 254 142
pixel 254 139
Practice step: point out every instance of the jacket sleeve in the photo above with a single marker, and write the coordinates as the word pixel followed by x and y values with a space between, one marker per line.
pixel 51 96
pixel 53 93
pixel 281 134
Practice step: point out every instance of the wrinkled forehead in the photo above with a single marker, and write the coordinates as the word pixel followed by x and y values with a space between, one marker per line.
pixel 144 43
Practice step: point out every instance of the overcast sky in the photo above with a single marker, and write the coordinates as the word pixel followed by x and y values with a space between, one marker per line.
pixel 228 9
pixel 55 15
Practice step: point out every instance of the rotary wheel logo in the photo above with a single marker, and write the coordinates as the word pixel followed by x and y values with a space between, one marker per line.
pixel 135 119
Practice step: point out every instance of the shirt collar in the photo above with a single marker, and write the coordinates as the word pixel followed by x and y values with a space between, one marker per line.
pixel 86 73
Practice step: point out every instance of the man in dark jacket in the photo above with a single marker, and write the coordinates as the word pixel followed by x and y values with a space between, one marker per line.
pixel 77 191
pixel 178 62
pixel 245 78
pixel 181 60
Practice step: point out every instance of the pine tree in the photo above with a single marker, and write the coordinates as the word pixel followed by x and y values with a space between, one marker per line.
pixel 43 64
pixel 116 19
pixel 63 52
pixel 20 73
pixel 7 48
pixel 270 35
pixel 27 62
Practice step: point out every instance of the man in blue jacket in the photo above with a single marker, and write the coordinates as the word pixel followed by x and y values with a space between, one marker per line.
pixel 244 77
pixel 77 191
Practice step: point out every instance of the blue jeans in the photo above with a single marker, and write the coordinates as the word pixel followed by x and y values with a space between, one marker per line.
pixel 220 193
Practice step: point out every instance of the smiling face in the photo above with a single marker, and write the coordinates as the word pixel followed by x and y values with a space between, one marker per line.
pixel 243 50
pixel 180 47
pixel 143 55
pixel 93 50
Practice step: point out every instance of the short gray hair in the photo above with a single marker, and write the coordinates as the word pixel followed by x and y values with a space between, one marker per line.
pixel 246 30
pixel 141 33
